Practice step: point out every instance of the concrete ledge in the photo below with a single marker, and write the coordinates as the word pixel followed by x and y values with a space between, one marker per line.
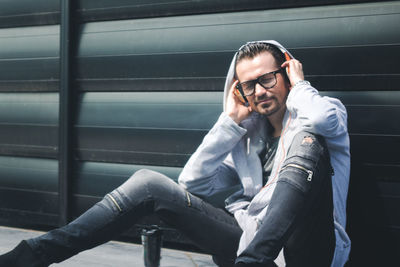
pixel 111 254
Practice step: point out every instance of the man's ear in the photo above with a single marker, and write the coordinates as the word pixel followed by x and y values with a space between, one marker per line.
pixel 286 80
pixel 286 77
pixel 288 86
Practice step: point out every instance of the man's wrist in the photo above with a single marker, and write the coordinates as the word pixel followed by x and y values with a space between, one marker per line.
pixel 229 123
pixel 234 117
pixel 301 82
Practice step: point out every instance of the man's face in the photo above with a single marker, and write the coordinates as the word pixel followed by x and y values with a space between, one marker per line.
pixel 264 101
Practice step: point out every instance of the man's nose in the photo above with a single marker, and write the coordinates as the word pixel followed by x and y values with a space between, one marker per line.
pixel 259 90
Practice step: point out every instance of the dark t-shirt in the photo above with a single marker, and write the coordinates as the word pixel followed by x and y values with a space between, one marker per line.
pixel 267 156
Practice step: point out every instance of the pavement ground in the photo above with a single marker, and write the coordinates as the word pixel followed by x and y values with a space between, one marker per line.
pixel 111 254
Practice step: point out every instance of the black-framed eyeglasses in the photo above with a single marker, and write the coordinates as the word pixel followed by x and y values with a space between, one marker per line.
pixel 267 81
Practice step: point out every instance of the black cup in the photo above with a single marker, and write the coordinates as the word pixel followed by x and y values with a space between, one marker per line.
pixel 152 242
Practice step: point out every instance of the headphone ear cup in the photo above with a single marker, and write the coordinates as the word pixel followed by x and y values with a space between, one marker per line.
pixel 240 95
pixel 287 70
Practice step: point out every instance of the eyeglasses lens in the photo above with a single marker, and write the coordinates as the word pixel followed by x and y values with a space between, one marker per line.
pixel 267 81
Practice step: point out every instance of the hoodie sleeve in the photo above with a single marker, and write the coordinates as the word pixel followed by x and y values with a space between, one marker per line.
pixel 206 171
pixel 325 116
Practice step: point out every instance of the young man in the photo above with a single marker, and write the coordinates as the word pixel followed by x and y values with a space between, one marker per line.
pixel 277 151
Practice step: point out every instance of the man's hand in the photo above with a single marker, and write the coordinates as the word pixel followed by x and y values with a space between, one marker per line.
pixel 294 70
pixel 235 108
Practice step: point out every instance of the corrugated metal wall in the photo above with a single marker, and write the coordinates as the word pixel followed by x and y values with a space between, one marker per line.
pixel 29 78
pixel 148 87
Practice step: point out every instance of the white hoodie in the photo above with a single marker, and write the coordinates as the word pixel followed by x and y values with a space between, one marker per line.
pixel 228 156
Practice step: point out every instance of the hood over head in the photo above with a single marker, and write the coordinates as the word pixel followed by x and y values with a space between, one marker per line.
pixel 230 77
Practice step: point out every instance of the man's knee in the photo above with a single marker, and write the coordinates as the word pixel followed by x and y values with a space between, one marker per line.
pixel 308 143
pixel 308 149
pixel 307 163
pixel 144 177
pixel 147 181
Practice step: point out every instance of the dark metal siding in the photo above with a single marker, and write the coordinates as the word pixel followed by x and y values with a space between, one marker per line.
pixel 45 12
pixel 29 59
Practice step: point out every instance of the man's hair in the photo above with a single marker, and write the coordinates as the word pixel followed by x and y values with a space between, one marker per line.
pixel 251 50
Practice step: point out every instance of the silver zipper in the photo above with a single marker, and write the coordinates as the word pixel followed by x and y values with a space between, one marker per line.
pixel 310 173
pixel 115 202
pixel 188 199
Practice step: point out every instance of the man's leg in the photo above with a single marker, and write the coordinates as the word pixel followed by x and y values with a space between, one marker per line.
pixel 300 215
pixel 212 229
pixel 146 192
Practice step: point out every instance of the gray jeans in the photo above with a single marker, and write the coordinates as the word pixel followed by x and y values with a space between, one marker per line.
pixel 146 192
pixel 299 217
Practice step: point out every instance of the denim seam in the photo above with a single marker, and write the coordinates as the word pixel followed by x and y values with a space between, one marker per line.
pixel 290 182
pixel 302 160
pixel 201 211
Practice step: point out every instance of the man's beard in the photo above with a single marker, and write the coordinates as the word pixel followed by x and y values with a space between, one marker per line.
pixel 273 101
